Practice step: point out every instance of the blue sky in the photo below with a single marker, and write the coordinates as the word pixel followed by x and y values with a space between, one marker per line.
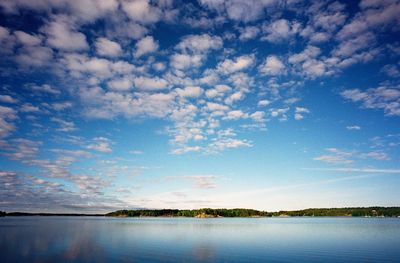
pixel 186 104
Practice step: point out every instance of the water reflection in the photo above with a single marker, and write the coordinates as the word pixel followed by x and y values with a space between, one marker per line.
pixel 89 239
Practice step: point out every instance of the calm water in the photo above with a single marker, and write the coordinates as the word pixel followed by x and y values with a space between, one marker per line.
pixel 98 239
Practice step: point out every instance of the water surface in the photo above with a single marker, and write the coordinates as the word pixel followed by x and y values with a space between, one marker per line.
pixel 100 239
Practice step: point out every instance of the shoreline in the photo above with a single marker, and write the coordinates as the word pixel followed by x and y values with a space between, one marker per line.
pixel 366 212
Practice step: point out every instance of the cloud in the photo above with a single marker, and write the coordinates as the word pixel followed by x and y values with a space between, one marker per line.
pixel 62 35
pixel 141 11
pixel 7 116
pixel 27 107
pixel 64 126
pixel 248 32
pixel 136 152
pixel 356 170
pixel 27 39
pixel 190 92
pixel 120 84
pixel 186 149
pixel 391 70
pixel 100 144
pixel 202 181
pixel 45 88
pixel 299 113
pixel 145 46
pixel 8 99
pixel 353 127
pixel 21 149
pixel 146 83
pixel 236 114
pixel 384 97
pixel 280 30
pixel 376 155
pixel 281 113
pixel 272 66
pixel 263 103
pixel 373 14
pixel 218 91
pixel 239 10
pixel 85 10
pixel 198 181
pixel 199 43
pixel 108 48
pixel 336 156
pixel 239 63
pixel 220 144
pixel 184 61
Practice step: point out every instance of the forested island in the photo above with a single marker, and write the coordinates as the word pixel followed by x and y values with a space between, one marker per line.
pixel 239 212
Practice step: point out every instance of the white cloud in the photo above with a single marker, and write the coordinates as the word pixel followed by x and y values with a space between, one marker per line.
pixel 376 155
pixel 190 92
pixel 85 10
pixel 121 84
pixel 136 152
pixel 272 66
pixel 106 47
pixel 198 181
pixel 199 43
pixel 100 144
pixel 61 34
pixel 7 99
pixel 64 126
pixel 299 113
pixel 353 127
pixel 220 144
pixel 280 30
pixel 249 32
pixel 239 63
pixel 314 68
pixel 212 106
pixel 59 106
pixel 308 53
pixel 146 83
pixel 7 116
pixel 28 107
pixel 336 156
pixel 391 70
pixel 356 170
pixel 159 66
pixel 258 116
pixel 184 61
pixel 384 97
pixel 263 103
pixel 45 88
pixel 141 11
pixel 236 114
pixel 281 113
pixel 218 91
pixel 27 39
pixel 234 97
pixel 239 10
pixel 186 149
pixel 145 46
pixel 34 56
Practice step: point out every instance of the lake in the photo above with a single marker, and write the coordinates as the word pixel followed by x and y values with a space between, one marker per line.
pixel 100 239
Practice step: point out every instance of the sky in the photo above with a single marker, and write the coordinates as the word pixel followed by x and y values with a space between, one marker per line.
pixel 263 104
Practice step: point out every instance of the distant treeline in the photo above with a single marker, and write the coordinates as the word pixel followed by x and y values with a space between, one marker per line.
pixel 346 211
pixel 239 212
pixel 204 212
